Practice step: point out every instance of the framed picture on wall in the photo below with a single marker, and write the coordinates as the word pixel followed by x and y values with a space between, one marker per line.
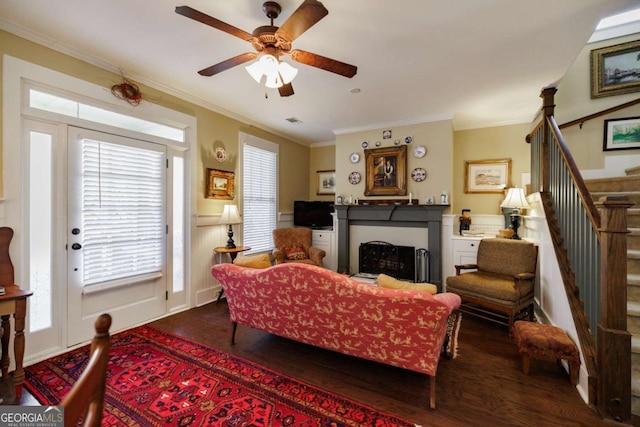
pixel 386 171
pixel 326 182
pixel 615 70
pixel 622 134
pixel 487 176
pixel 219 184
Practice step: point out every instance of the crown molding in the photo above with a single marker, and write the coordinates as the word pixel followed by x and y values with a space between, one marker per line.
pixel 322 144
pixel 384 125
pixel 517 121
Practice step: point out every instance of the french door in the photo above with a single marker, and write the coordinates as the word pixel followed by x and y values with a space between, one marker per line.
pixel 116 231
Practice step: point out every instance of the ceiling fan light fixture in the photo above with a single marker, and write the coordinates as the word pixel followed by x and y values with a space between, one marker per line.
pixel 266 65
pixel 273 81
pixel 287 72
pixel 276 73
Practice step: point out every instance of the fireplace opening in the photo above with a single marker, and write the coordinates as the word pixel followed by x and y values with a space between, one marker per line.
pixel 400 262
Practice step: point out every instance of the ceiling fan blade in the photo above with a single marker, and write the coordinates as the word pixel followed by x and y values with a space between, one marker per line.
pixel 286 90
pixel 324 63
pixel 213 22
pixel 303 18
pixel 229 63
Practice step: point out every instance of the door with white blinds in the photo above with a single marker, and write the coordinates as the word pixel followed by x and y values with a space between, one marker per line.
pixel 116 235
pixel 259 193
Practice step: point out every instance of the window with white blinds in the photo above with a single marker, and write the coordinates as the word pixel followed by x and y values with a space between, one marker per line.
pixel 122 211
pixel 260 191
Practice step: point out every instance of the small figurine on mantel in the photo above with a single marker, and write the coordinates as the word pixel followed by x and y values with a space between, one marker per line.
pixel 465 220
pixel 444 198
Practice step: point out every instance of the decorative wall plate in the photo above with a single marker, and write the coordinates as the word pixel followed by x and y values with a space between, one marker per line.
pixel 396 142
pixel 354 157
pixel 365 144
pixel 221 155
pixel 418 174
pixel 408 139
pixel 378 143
pixel 419 151
pixel 354 178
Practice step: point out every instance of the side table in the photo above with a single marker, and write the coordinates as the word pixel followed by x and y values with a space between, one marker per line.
pixel 233 253
pixel 13 302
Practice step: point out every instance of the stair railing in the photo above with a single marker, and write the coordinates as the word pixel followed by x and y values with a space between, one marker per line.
pixel 590 246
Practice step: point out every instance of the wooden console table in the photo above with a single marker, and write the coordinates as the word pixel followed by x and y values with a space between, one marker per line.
pixel 13 302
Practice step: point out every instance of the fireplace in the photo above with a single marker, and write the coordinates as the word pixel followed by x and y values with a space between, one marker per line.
pixel 384 258
pixel 426 217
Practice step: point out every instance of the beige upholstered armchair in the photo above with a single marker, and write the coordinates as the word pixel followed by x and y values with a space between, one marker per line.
pixel 501 289
pixel 294 245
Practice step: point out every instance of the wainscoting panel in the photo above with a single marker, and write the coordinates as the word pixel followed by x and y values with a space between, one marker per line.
pixel 207 235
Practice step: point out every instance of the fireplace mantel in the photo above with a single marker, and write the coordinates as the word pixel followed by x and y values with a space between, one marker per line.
pixel 417 216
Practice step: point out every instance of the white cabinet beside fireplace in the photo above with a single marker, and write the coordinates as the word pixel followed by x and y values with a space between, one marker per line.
pixel 464 250
pixel 325 239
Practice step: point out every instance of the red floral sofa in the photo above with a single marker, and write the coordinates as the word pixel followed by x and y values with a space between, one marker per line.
pixel 316 306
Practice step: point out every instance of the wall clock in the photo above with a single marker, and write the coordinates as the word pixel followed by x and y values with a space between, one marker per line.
pixel 354 178
pixel 418 174
pixel 419 151
pixel 354 157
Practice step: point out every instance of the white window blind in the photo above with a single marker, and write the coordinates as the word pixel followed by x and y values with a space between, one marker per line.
pixel 122 211
pixel 260 189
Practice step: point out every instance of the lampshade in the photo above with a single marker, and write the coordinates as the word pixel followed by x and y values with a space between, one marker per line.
pixel 276 73
pixel 230 215
pixel 515 199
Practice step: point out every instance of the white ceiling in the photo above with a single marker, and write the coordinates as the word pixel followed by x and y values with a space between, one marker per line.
pixel 480 62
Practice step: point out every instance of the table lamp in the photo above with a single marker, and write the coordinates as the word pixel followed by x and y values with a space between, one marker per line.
pixel 229 217
pixel 511 206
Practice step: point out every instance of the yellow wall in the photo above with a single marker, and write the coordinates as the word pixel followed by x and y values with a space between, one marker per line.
pixel 502 142
pixel 323 158
pixel 213 129
pixel 573 101
pixel 437 137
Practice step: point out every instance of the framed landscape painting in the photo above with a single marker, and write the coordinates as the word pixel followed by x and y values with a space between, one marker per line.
pixel 487 176
pixel 219 184
pixel 326 182
pixel 622 134
pixel 615 70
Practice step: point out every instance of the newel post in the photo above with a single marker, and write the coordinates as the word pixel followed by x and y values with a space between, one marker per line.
pixel 548 107
pixel 614 342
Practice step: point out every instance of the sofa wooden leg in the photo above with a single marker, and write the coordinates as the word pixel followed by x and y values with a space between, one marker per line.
pixel 233 332
pixel 432 392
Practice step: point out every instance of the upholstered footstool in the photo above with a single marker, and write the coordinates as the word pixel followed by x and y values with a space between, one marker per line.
pixel 539 341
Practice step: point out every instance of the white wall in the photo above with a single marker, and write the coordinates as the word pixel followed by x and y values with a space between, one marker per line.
pixel 550 293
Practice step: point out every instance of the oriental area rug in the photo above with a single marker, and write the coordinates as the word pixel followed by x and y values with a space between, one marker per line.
pixel 159 379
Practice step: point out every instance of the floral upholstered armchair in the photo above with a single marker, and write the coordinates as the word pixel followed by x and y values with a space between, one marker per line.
pixel 294 245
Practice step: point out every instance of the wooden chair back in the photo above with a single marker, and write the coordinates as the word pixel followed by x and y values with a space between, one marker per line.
pixel 85 400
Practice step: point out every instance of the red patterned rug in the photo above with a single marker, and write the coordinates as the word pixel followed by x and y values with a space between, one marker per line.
pixel 159 379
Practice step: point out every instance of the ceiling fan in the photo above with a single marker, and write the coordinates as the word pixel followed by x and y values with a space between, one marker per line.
pixel 271 42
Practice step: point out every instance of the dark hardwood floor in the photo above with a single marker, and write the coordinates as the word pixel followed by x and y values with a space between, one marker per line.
pixel 483 386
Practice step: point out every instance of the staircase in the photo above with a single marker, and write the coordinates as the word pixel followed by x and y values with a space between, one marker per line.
pixel 628 185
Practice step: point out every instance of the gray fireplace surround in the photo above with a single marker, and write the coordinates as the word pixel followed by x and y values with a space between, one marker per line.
pixel 427 217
